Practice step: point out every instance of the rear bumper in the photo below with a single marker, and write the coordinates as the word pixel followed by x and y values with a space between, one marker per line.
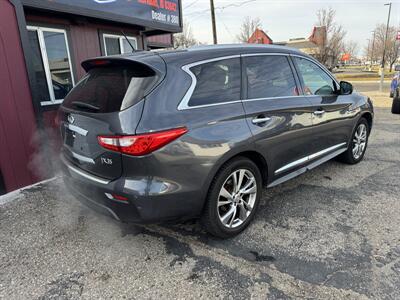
pixel 150 199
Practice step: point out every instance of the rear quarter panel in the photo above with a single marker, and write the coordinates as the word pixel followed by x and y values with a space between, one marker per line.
pixel 215 133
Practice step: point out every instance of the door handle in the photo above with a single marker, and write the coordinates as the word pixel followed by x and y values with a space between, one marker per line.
pixel 319 112
pixel 260 120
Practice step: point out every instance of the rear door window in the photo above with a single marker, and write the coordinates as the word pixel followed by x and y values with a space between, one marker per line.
pixel 269 76
pixel 217 82
pixel 111 89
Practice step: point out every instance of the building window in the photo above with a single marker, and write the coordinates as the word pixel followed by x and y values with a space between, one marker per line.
pixel 117 44
pixel 52 63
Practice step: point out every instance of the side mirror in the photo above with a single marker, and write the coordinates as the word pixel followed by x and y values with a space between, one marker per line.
pixel 346 88
pixel 397 68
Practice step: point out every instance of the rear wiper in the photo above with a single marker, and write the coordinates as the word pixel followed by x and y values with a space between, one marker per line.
pixel 85 105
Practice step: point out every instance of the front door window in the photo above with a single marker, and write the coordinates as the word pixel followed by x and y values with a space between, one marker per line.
pixel 315 80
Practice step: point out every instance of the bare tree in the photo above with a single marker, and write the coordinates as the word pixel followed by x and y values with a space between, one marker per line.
pixel 247 28
pixel 185 39
pixel 350 47
pixel 330 50
pixel 392 52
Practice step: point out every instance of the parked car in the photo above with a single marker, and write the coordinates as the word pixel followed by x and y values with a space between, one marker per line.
pixel 394 86
pixel 151 137
pixel 395 91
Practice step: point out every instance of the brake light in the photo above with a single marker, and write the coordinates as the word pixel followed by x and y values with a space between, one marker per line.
pixel 100 62
pixel 143 144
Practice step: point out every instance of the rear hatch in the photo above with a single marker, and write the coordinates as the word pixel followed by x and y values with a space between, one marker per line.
pixel 106 102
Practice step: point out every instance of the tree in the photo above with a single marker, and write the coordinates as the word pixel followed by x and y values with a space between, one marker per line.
pixel 350 47
pixel 185 39
pixel 247 28
pixel 392 52
pixel 330 50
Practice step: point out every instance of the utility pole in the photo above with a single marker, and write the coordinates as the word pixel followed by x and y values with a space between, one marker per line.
pixel 372 50
pixel 214 26
pixel 369 44
pixel 384 48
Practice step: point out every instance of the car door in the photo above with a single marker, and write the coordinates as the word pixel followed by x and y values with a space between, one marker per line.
pixel 279 118
pixel 332 122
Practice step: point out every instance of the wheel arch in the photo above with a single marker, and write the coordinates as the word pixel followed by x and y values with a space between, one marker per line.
pixel 256 157
pixel 368 116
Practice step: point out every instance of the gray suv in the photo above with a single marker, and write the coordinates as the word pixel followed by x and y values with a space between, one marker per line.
pixel 151 137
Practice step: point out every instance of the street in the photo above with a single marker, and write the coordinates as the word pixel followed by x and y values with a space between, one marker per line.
pixel 333 233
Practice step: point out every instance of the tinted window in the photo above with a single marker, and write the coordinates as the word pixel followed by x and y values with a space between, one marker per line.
pixel 217 82
pixel 269 76
pixel 111 89
pixel 316 81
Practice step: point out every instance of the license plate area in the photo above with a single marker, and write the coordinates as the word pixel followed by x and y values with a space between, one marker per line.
pixel 76 141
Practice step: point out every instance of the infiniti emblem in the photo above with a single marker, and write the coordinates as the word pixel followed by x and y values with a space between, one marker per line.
pixel 71 119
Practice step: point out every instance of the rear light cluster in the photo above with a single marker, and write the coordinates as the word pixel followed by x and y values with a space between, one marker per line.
pixel 138 145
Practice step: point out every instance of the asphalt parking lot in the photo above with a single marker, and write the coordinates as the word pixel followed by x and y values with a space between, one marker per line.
pixel 371 86
pixel 331 233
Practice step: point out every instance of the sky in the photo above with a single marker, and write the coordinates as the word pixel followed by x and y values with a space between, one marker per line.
pixel 285 19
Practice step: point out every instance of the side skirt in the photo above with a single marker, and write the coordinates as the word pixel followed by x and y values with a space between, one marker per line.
pixel 306 168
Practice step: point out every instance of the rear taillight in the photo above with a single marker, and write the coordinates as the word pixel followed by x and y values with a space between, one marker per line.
pixel 143 144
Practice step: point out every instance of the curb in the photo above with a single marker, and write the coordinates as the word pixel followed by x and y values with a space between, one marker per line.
pixel 15 195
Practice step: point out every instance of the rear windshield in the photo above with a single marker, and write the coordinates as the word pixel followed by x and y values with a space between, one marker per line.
pixel 111 89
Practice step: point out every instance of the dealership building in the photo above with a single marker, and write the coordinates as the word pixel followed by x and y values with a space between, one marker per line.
pixel 42 45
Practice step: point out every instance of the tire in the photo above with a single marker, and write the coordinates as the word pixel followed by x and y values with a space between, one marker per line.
pixel 224 205
pixel 396 105
pixel 349 157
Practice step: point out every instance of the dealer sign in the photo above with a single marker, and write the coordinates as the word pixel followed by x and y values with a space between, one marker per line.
pixel 154 14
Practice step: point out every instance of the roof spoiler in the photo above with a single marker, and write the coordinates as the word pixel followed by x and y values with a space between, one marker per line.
pixel 154 63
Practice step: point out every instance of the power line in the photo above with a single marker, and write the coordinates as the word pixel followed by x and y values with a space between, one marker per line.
pixel 191 4
pixel 226 27
pixel 221 8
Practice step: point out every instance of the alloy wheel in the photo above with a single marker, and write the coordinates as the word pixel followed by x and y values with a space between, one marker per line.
pixel 236 198
pixel 359 141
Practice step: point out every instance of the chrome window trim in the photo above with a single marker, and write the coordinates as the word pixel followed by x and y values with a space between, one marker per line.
pixel 184 104
pixel 321 66
pixel 308 158
pixel 264 54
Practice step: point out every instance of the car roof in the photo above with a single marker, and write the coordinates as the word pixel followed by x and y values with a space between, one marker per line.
pixel 197 53
pixel 239 48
